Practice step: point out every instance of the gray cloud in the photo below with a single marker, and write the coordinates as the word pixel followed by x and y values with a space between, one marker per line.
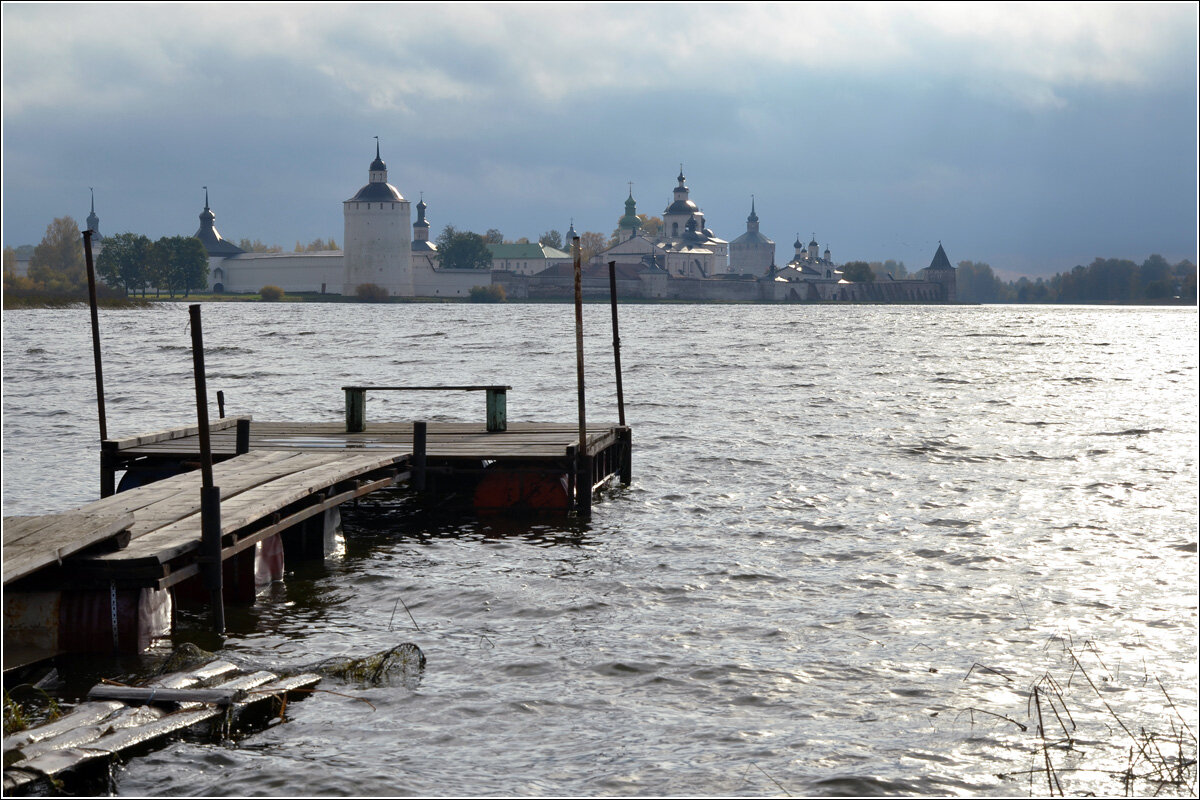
pixel 1030 137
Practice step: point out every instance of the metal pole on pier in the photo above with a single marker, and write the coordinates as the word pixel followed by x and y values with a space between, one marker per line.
pixel 107 476
pixel 210 496
pixel 583 472
pixel 612 293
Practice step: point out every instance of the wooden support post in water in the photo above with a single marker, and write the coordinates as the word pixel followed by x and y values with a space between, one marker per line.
pixel 418 464
pixel 612 293
pixel 626 455
pixel 583 487
pixel 210 496
pixel 107 480
pixel 221 405
pixel 242 443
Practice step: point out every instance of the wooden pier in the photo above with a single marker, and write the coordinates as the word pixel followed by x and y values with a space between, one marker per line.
pixel 85 579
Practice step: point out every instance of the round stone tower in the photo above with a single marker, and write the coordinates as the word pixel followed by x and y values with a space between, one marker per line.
pixel 376 239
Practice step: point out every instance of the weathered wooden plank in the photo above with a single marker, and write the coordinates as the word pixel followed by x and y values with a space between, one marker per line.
pixel 178 497
pixel 171 433
pixel 89 721
pixel 96 732
pixel 151 695
pixel 172 540
pixel 81 716
pixel 30 545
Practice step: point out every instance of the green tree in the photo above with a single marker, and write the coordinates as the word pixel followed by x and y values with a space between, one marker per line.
pixel 493 236
pixel 122 262
pixel 57 263
pixel 976 283
pixel 186 263
pixel 858 272
pixel 552 238
pixel 158 269
pixel 462 250
pixel 191 261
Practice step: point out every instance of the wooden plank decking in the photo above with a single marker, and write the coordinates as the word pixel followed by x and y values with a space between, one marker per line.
pixel 32 543
pixel 255 487
pixel 450 440
pixel 292 472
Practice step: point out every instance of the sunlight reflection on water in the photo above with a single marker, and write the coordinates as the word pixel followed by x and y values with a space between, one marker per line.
pixel 836 515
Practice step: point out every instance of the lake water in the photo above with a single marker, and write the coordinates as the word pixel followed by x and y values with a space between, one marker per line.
pixel 856 538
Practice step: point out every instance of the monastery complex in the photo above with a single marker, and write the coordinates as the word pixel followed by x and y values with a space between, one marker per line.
pixel 684 260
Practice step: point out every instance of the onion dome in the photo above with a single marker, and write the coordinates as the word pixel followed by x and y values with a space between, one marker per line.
pixel 377 189
pixel 213 242
pixel 377 165
pixel 630 221
pixel 93 222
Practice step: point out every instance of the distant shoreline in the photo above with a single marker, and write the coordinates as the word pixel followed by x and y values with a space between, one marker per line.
pixel 15 301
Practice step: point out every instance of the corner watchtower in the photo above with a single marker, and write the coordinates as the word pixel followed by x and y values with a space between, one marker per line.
pixel 376 239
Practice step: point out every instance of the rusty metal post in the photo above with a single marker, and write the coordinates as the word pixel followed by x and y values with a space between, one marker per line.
pixel 210 495
pixel 612 293
pixel 582 486
pixel 106 485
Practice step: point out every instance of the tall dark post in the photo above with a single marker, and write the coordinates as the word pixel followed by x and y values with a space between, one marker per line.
pixel 583 483
pixel 612 293
pixel 241 444
pixel 107 478
pixel 210 496
pixel 221 405
pixel 420 438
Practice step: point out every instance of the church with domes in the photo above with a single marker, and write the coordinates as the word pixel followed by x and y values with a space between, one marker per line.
pixel 685 247
pixel 684 260
pixel 382 247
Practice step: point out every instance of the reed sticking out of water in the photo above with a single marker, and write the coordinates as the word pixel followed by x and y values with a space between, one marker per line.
pixel 1155 762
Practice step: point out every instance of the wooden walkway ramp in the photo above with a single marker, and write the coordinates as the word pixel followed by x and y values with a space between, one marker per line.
pixel 33 543
pixel 262 494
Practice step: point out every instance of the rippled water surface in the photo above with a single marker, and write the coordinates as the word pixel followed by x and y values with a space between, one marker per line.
pixel 856 538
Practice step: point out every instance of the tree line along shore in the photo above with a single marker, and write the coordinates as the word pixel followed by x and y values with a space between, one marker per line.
pixel 133 270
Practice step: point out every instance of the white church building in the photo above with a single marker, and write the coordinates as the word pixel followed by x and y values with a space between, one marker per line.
pixel 685 247
pixel 378 249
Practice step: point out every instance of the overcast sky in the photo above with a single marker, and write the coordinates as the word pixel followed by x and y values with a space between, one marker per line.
pixel 1032 137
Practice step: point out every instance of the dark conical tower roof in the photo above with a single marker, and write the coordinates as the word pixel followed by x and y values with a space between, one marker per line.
pixel 939 260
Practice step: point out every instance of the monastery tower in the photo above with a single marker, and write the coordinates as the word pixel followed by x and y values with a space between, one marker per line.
pixel 376 239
